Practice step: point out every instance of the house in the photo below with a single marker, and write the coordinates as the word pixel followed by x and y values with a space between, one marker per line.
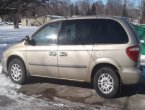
pixel 37 21
pixel 27 21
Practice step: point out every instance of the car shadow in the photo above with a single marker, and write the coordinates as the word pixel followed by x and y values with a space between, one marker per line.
pixel 130 90
pixel 34 80
pixel 126 91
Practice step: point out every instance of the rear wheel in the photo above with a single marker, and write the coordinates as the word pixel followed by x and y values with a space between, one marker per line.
pixel 17 71
pixel 106 82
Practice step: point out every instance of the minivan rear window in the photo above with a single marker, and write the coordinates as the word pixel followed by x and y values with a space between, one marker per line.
pixel 108 31
pixel 90 31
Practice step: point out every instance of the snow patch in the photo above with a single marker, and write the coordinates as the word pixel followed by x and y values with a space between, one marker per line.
pixel 9 89
pixel 3 45
pixel 11 27
pixel 9 35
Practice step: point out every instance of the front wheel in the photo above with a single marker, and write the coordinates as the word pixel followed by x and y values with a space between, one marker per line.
pixel 17 71
pixel 106 82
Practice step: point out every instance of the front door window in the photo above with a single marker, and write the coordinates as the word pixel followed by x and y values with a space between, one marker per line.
pixel 47 35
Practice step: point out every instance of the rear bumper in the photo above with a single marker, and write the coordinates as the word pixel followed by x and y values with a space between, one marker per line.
pixel 142 60
pixel 131 75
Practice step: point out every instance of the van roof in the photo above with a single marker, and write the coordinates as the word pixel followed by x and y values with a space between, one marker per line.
pixel 91 17
pixel 95 17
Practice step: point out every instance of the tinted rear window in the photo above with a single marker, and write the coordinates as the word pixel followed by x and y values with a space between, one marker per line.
pixel 92 31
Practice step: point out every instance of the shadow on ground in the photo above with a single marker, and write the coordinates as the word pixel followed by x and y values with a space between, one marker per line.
pixel 132 90
pixel 68 92
pixel 34 80
pixel 126 91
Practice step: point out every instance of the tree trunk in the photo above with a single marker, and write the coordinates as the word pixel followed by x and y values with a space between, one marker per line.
pixel 16 17
pixel 16 21
pixel 124 9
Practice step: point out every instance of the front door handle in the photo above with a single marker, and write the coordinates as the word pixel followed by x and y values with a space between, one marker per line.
pixel 62 54
pixel 52 54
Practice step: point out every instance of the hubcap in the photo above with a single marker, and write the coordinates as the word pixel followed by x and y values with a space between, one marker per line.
pixel 16 72
pixel 105 83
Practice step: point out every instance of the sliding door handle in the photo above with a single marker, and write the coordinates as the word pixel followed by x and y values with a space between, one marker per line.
pixel 62 54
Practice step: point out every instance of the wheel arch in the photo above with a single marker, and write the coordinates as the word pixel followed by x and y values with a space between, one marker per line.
pixel 98 66
pixel 11 57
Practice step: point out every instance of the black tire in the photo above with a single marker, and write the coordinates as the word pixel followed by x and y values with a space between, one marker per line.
pixel 101 82
pixel 19 71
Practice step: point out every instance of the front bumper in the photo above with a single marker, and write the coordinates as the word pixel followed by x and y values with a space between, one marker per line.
pixel 3 62
pixel 131 75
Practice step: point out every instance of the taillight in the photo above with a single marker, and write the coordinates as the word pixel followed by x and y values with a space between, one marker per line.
pixel 133 52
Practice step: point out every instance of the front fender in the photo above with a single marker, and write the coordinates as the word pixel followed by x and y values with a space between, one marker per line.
pixel 20 54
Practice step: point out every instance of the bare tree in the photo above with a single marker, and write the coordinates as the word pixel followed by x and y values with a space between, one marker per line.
pixel 93 10
pixel 72 10
pixel 76 9
pixel 100 10
pixel 33 8
pixel 125 8
pixel 143 11
pixel 21 7
pixel 85 6
pixel 114 7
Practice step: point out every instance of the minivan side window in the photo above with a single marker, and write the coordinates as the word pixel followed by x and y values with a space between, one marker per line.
pixel 47 34
pixel 90 31
pixel 67 33
pixel 75 32
pixel 109 31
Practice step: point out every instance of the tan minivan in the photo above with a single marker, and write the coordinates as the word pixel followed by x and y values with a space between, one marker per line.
pixel 103 51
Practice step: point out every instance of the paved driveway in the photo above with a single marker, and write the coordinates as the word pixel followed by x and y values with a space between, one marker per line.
pixel 51 94
pixel 82 94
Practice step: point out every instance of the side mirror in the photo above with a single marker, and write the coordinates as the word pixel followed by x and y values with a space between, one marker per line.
pixel 27 38
pixel 30 41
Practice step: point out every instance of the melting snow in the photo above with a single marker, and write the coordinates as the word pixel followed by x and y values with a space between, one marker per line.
pixel 10 35
pixel 19 100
